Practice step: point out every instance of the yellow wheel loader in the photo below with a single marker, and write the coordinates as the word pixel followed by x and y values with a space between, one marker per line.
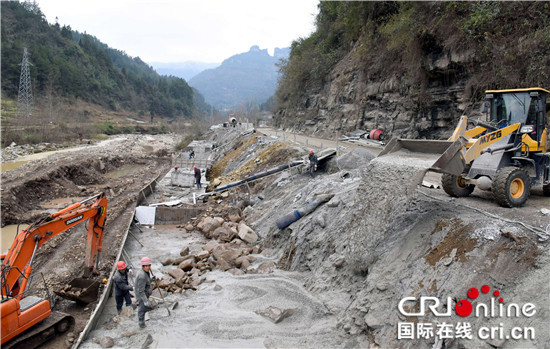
pixel 508 153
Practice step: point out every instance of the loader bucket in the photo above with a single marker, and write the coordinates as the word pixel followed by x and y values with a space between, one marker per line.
pixel 447 155
pixel 80 290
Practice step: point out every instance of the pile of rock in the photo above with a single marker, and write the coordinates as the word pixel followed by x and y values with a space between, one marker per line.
pixel 230 249
pixel 13 151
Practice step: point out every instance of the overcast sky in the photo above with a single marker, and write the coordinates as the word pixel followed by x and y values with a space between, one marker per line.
pixel 186 30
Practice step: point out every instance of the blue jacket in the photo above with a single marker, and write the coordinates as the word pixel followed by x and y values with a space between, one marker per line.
pixel 121 283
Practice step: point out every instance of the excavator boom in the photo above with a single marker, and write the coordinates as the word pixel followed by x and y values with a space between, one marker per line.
pixel 18 313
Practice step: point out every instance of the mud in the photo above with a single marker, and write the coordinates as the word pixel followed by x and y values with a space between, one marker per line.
pixel 344 268
pixel 387 188
pixel 224 311
pixel 29 191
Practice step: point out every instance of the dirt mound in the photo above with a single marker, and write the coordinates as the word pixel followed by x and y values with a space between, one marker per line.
pixel 120 169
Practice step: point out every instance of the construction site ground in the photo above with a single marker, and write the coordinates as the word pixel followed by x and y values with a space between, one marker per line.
pixel 333 278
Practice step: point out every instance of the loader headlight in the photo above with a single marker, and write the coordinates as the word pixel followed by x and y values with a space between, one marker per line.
pixel 527 129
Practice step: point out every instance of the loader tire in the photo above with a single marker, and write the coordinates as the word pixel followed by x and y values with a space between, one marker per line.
pixel 455 186
pixel 546 189
pixel 511 187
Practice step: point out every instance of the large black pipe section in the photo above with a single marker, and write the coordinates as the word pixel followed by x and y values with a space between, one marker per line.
pixel 293 216
pixel 258 176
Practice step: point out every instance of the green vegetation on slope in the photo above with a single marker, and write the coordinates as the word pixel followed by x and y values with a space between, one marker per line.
pixel 507 43
pixel 73 65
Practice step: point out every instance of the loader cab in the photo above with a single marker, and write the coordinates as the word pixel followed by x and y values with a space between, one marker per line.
pixel 524 106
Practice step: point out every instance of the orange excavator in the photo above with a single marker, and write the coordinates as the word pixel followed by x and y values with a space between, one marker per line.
pixel 28 320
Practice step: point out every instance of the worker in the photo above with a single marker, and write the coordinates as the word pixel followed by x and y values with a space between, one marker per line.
pixel 197 176
pixel 191 154
pixel 312 162
pixel 143 289
pixel 122 288
pixel 175 168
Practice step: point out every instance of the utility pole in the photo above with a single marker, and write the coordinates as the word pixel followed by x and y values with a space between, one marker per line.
pixel 24 98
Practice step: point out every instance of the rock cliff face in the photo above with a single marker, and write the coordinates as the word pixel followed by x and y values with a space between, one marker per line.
pixel 351 99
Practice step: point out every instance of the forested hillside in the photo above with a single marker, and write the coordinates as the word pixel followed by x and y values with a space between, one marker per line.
pixel 72 65
pixel 410 68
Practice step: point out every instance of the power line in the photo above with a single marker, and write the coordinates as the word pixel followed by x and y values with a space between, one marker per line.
pixel 24 98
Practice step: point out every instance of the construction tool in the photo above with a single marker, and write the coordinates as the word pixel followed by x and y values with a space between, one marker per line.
pixel 27 318
pixel 508 153
pixel 161 295
pixel 172 306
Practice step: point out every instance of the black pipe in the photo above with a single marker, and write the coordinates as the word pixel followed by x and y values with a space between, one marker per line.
pixel 258 175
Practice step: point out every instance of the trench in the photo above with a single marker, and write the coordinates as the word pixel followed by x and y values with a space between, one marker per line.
pixel 224 311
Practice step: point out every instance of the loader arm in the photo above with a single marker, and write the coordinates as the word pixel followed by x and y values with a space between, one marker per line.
pixel 485 141
pixel 17 262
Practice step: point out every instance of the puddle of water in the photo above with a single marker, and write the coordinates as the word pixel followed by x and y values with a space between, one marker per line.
pixel 61 203
pixel 123 171
pixel 7 234
pixel 12 165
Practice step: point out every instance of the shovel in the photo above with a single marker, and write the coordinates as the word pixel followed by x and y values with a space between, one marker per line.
pixel 171 306
pixel 161 295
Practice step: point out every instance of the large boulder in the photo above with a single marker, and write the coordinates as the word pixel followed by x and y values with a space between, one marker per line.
pixel 210 246
pixel 247 234
pixel 209 225
pixel 187 264
pixel 223 233
pixel 176 273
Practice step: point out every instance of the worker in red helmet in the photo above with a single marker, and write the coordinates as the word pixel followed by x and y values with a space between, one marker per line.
pixel 312 162
pixel 197 176
pixel 176 168
pixel 122 287
pixel 143 290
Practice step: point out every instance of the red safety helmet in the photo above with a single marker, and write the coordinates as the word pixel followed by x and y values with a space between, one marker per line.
pixel 195 167
pixel 121 265
pixel 146 261
pixel 310 152
pixel 175 167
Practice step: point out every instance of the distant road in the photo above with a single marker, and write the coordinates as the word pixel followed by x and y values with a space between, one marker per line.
pixel 318 143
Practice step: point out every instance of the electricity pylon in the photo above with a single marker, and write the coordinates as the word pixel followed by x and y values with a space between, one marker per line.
pixel 24 98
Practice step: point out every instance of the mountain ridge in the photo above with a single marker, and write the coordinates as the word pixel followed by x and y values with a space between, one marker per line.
pixel 185 70
pixel 245 78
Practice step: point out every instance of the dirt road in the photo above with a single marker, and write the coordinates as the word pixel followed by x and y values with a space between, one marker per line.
pixel 320 143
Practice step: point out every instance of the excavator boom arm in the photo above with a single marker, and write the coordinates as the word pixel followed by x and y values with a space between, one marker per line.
pixel 20 255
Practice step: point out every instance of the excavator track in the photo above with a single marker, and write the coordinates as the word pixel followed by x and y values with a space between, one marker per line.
pixel 56 324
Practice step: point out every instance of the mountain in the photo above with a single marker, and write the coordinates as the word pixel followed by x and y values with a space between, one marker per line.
pixel 245 78
pixel 410 69
pixel 184 70
pixel 68 65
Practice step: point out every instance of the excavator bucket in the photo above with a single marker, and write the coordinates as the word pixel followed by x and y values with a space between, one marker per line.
pixel 447 155
pixel 80 290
